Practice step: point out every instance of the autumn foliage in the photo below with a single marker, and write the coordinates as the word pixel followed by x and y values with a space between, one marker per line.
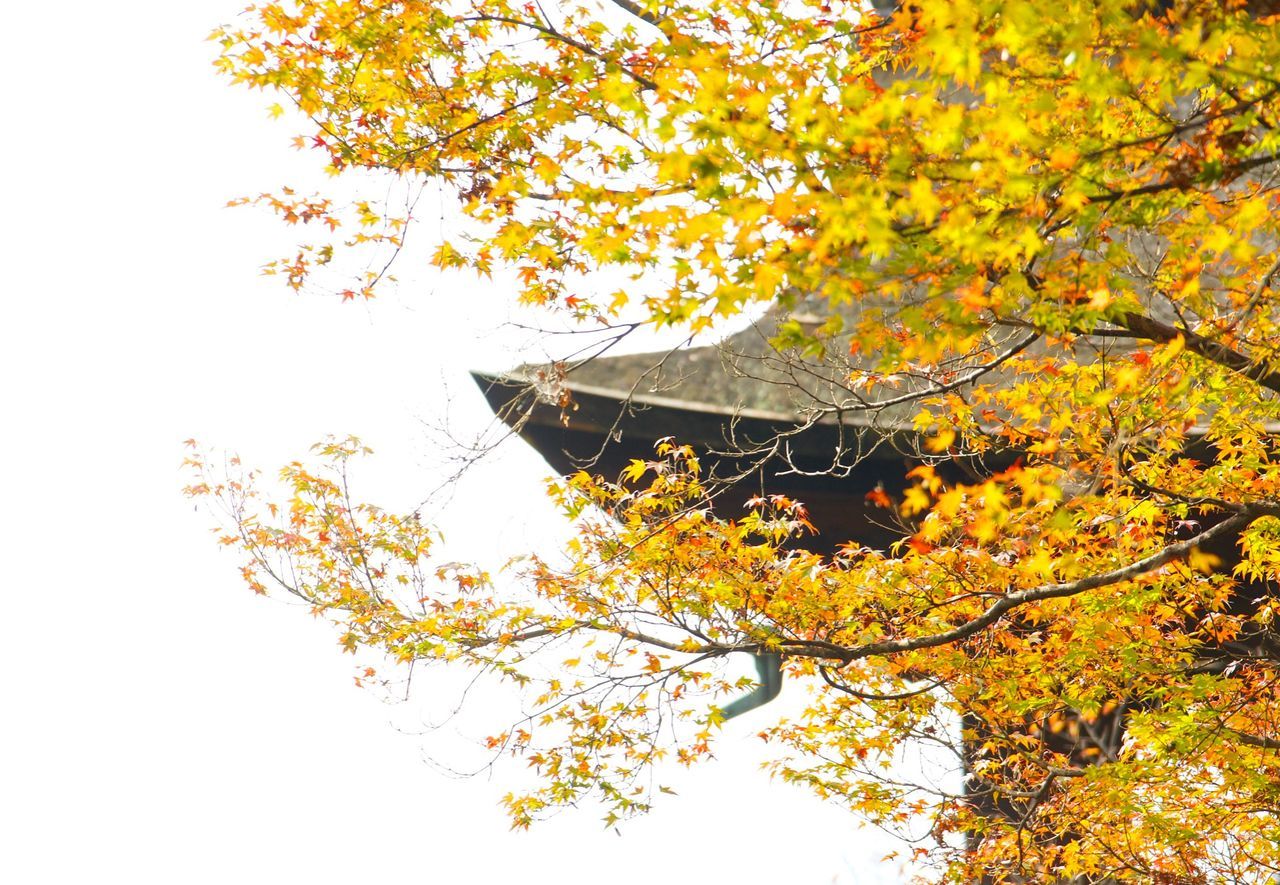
pixel 1042 238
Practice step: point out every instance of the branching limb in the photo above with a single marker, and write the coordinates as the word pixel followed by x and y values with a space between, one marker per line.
pixel 1005 604
pixel 638 11
pixel 1214 351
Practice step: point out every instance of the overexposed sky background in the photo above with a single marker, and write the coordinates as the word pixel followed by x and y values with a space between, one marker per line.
pixel 159 722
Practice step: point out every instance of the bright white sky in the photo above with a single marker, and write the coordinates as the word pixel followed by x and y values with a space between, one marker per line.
pixel 161 723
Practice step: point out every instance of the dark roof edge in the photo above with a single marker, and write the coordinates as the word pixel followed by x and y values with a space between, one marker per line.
pixel 510 379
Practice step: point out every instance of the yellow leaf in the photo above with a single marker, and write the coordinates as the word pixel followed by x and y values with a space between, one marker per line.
pixel 914 501
pixel 1202 561
pixel 942 441
pixel 634 470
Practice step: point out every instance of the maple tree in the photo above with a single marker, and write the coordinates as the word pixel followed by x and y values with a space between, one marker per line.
pixel 1041 237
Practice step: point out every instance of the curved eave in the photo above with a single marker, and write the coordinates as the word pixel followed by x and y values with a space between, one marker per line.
pixel 606 413
pixel 603 430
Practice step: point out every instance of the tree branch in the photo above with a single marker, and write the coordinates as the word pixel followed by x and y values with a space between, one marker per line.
pixel 552 34
pixel 841 685
pixel 638 11
pixel 1211 350
pixel 996 611
pixel 1169 184
pixel 1253 740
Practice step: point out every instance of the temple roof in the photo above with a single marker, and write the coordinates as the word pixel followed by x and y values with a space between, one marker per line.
pixel 741 388
pixel 742 377
pixel 742 401
pixel 745 391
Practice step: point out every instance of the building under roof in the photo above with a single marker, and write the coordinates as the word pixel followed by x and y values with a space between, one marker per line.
pixel 775 421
